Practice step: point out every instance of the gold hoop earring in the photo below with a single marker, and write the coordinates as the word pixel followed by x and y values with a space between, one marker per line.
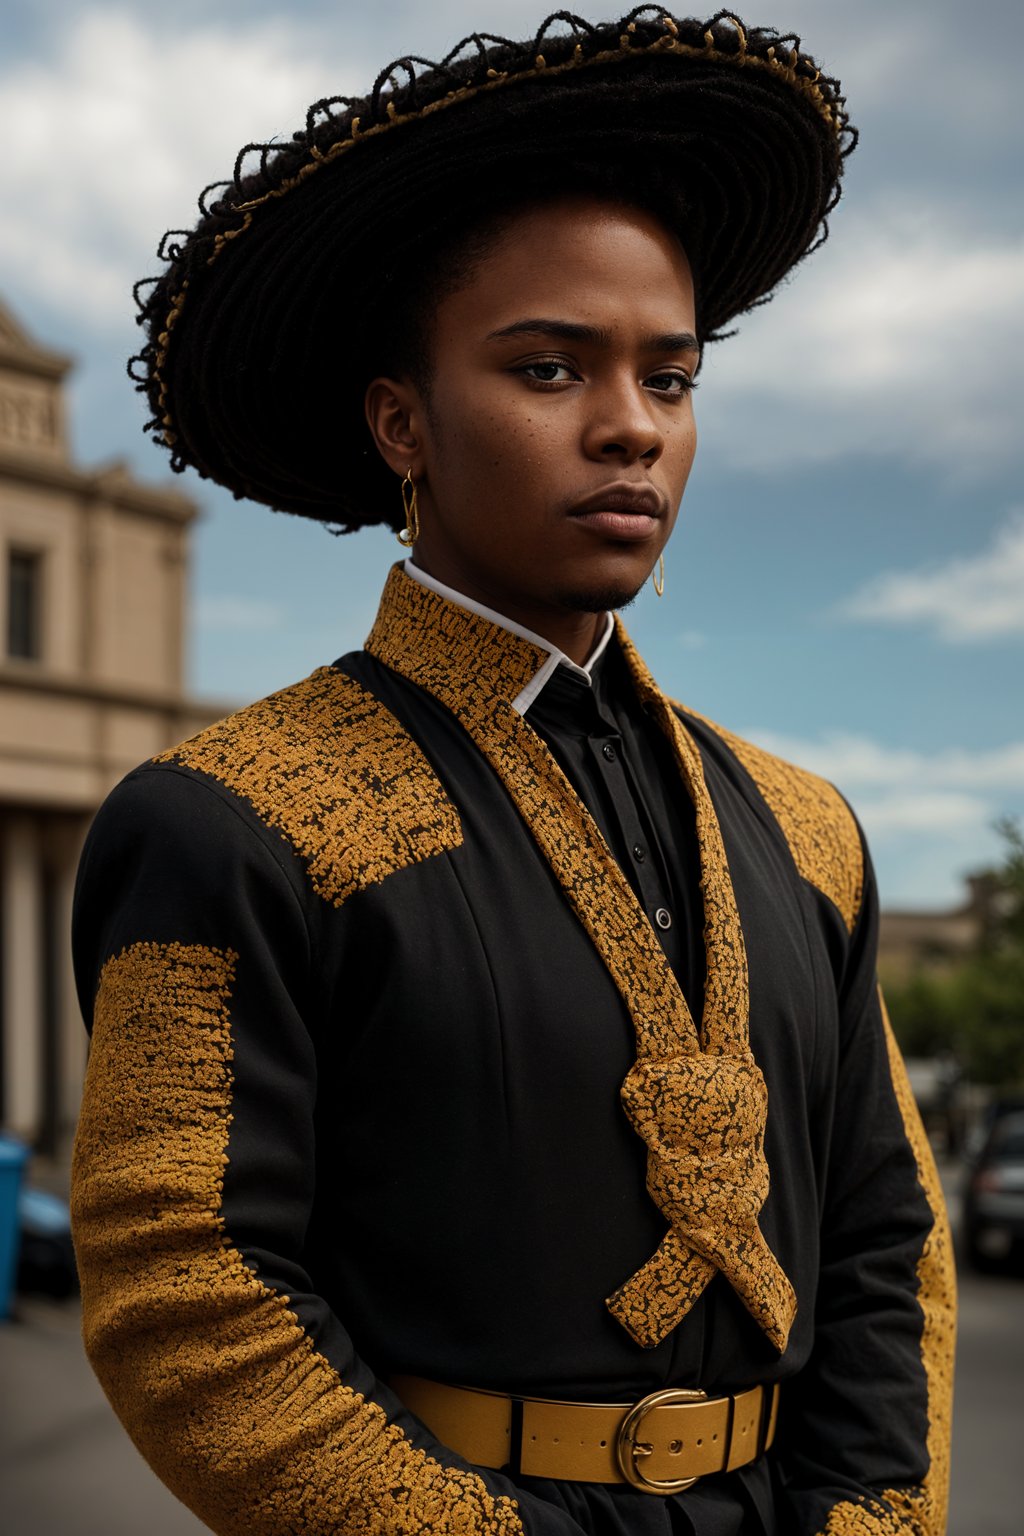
pixel 658 576
pixel 410 501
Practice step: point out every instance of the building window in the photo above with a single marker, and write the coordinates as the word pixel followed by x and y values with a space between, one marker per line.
pixel 24 604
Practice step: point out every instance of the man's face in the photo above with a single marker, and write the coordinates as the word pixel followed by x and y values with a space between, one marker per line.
pixel 558 433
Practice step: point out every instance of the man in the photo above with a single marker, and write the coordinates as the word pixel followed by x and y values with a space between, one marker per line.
pixel 492 1123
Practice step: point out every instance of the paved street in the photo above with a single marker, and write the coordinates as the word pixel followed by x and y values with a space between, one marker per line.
pixel 66 1466
pixel 67 1469
pixel 988 1419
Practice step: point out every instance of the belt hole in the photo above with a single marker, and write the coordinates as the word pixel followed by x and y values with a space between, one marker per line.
pixel 700 1440
pixel 675 1447
pixel 604 1442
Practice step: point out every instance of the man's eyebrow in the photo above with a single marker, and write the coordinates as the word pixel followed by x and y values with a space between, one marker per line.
pixel 572 330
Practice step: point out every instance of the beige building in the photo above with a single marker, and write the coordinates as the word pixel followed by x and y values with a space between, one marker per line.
pixel 93 569
pixel 914 943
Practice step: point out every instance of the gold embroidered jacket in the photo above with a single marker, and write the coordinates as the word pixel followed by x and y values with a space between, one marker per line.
pixel 390 1073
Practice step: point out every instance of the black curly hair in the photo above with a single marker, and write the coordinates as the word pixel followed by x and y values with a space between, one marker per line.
pixel 318 264
pixel 399 335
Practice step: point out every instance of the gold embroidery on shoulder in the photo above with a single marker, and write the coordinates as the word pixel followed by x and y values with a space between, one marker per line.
pixel 212 1375
pixel 815 819
pixel 327 766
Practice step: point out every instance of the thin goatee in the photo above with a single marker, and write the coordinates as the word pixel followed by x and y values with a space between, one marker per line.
pixel 600 599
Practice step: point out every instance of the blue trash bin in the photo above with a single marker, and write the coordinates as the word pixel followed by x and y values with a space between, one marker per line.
pixel 13 1157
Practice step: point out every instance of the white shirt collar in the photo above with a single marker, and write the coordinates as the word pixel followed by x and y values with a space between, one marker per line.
pixel 556 658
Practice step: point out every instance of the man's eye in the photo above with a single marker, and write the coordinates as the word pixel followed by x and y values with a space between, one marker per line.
pixel 548 372
pixel 671 383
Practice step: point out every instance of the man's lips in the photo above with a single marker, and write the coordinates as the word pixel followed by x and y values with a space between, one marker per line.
pixel 620 510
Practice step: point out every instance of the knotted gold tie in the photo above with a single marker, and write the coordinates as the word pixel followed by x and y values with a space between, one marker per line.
pixel 703 1118
pixel 701 1107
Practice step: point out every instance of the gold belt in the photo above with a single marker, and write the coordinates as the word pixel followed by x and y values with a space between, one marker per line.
pixel 661 1444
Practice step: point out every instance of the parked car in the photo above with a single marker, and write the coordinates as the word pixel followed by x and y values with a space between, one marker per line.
pixel 994 1109
pixel 993 1208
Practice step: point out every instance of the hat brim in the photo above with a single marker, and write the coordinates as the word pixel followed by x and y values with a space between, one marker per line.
pixel 258 329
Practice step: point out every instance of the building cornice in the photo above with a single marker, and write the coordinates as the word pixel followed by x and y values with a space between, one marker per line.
pixel 21 353
pixel 111 483
pixel 32 677
pixel 37 362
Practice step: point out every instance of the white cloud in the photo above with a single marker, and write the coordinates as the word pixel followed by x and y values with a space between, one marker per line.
pixel 942 813
pixel 929 817
pixel 968 598
pixel 903 336
pixel 119 129
pixel 885 53
pixel 861 763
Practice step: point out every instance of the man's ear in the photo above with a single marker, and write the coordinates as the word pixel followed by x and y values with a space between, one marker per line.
pixel 393 413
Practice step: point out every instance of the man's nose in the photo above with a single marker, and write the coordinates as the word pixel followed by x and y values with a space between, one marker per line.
pixel 623 426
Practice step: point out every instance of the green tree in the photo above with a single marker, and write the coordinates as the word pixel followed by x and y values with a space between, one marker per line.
pixel 976 1009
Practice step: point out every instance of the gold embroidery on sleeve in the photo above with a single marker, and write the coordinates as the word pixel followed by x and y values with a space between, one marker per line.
pixel 327 766
pixel 937 1296
pixel 211 1373
pixel 922 1510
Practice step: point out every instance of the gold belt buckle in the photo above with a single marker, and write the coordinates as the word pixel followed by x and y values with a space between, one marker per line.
pixel 630 1449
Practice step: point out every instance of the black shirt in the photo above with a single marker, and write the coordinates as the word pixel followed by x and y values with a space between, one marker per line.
pixel 621 767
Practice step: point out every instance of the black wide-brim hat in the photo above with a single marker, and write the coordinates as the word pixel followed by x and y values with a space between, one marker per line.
pixel 261 329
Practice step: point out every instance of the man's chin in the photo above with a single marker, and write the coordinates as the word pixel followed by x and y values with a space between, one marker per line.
pixel 601 599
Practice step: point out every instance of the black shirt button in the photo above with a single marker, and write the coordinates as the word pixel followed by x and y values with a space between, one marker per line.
pixel 663 917
pixel 608 751
pixel 639 852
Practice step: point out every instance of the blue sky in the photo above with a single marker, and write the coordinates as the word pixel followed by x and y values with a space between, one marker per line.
pixel 846 583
